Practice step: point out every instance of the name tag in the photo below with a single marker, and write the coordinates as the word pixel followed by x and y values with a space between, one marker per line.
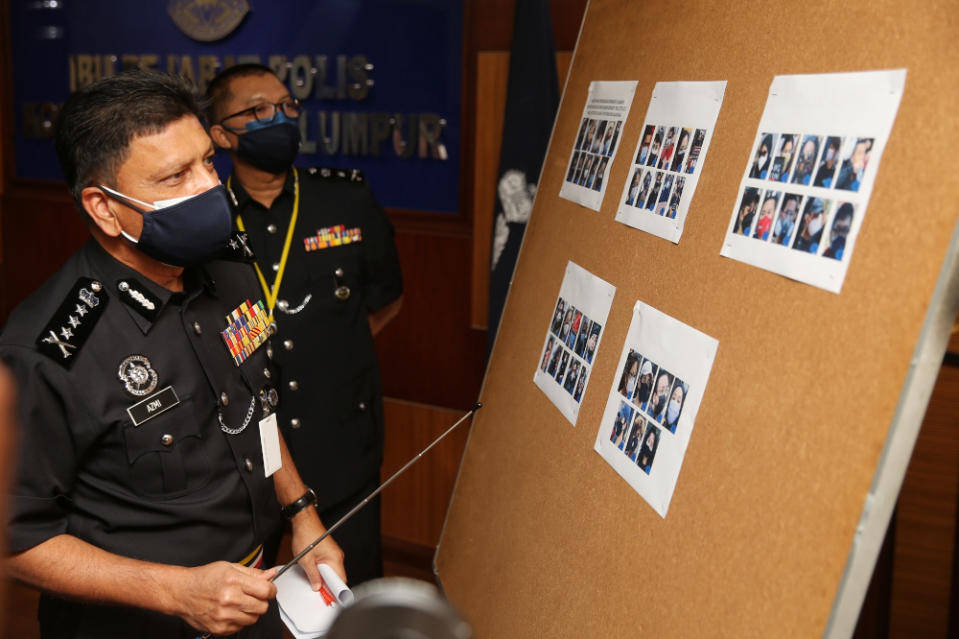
pixel 153 405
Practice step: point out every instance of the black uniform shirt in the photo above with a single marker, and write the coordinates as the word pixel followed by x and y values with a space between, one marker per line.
pixel 331 407
pixel 172 487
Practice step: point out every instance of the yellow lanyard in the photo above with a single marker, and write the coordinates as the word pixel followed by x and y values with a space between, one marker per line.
pixel 273 292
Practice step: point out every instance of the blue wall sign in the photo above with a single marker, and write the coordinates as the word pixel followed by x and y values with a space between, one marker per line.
pixel 380 79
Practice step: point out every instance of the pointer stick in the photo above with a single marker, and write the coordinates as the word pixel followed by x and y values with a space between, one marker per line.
pixel 373 494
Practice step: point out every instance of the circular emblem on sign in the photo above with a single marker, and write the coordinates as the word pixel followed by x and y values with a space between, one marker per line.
pixel 207 20
pixel 137 375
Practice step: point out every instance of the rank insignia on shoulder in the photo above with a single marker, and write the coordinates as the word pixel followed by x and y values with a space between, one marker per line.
pixel 68 329
pixel 238 249
pixel 332 236
pixel 138 297
pixel 344 175
pixel 248 326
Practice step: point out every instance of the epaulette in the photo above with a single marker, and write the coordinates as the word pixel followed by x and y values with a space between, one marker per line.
pixel 342 175
pixel 68 329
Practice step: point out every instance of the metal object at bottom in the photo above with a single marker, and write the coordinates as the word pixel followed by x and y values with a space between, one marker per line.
pixel 398 608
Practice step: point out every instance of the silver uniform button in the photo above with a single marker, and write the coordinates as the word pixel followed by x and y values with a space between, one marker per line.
pixel 266 373
pixel 196 328
pixel 167 440
pixel 96 286
pixel 294 423
pixel 288 344
pixel 283 305
pixel 271 228
pixel 361 406
pixel 338 272
pixel 123 286
pixel 248 464
pixel 224 399
pixel 294 384
pixel 269 352
pixel 276 266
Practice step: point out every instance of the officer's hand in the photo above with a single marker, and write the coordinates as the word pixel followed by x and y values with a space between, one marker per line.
pixel 221 598
pixel 307 527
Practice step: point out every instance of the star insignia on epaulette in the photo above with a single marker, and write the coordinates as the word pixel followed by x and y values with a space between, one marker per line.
pixel 67 331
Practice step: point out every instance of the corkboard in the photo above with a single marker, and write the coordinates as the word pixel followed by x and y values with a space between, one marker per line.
pixel 814 400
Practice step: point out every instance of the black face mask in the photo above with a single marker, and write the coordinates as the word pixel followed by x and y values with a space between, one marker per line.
pixel 271 147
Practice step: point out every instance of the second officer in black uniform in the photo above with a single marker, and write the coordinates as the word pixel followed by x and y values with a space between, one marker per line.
pixel 329 270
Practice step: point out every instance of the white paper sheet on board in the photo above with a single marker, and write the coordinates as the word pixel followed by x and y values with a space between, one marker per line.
pixel 597 141
pixel 669 156
pixel 655 396
pixel 572 340
pixel 809 176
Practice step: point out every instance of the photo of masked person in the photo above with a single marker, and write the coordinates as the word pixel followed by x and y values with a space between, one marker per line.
pixel 574 329
pixel 600 174
pixel 841 224
pixel 567 324
pixel 699 138
pixel 554 360
pixel 624 417
pixel 643 152
pixel 747 211
pixel 549 350
pixel 580 385
pixel 827 165
pixel 655 406
pixel 675 406
pixel 657 185
pixel 572 166
pixel 676 197
pixel 766 214
pixel 612 145
pixel 669 146
pixel 647 450
pixel 582 134
pixel 647 373
pixel 558 317
pixel 633 187
pixel 644 190
pixel 563 363
pixel 854 166
pixel 806 162
pixel 681 149
pixel 811 226
pixel 663 204
pixel 583 336
pixel 760 166
pixel 653 158
pixel 630 375
pixel 591 342
pixel 598 138
pixel 570 384
pixel 635 434
pixel 783 161
pixel 786 221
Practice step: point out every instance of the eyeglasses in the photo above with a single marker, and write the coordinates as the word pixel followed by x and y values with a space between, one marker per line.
pixel 267 111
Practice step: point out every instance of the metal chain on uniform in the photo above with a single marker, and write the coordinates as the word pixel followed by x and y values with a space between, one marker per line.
pixel 284 306
pixel 246 422
pixel 272 292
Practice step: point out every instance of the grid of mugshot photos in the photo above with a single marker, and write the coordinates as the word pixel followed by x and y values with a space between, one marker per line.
pixel 653 402
pixel 667 156
pixel 811 223
pixel 594 148
pixel 570 348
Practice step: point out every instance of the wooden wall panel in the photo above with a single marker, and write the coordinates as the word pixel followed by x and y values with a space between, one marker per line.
pixel 415 504
pixel 926 519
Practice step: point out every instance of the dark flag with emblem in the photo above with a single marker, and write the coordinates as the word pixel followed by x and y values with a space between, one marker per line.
pixel 531 100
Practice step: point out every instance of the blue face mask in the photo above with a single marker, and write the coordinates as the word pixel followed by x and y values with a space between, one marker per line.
pixel 270 146
pixel 182 231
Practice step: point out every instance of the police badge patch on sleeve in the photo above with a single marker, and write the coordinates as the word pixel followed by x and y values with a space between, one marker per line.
pixel 68 329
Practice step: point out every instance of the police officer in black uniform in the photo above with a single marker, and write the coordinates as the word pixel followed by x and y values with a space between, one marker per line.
pixel 143 496
pixel 328 266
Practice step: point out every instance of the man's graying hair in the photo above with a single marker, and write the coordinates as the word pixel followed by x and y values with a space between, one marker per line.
pixel 97 123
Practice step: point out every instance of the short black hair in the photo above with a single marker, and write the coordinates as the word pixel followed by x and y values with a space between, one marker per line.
pixel 97 123
pixel 218 91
